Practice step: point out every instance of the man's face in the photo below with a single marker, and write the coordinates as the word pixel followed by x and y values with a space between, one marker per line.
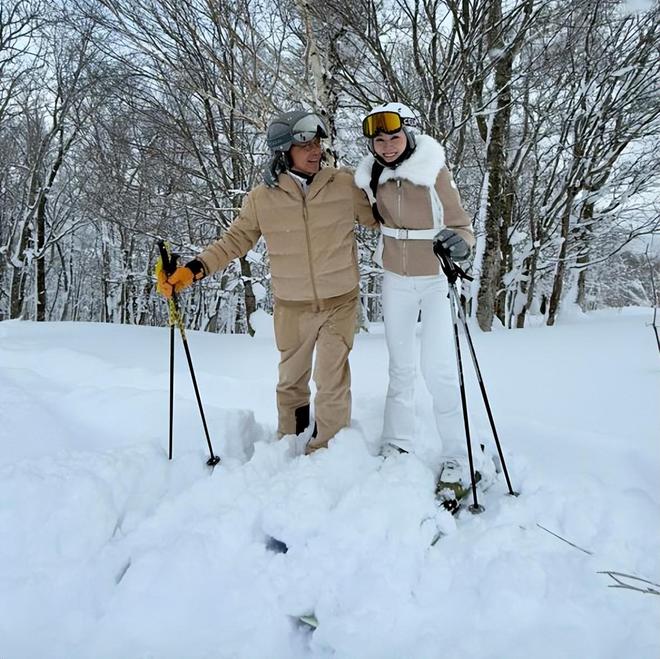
pixel 306 158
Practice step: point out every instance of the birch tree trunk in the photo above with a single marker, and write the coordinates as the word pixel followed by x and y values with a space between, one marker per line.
pixel 491 297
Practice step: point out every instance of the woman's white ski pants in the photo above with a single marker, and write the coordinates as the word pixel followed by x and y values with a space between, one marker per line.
pixel 403 298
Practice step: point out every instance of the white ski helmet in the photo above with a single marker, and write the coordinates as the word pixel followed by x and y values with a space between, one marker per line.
pixel 389 118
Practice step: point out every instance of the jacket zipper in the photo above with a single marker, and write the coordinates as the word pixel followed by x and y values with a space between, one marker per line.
pixel 309 253
pixel 403 242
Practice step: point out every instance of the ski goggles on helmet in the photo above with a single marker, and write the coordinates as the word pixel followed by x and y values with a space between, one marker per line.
pixel 383 122
pixel 308 128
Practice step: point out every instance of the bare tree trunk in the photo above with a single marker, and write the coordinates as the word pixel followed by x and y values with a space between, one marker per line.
pixel 491 295
pixel 40 261
pixel 488 303
pixel 250 299
pixel 19 278
pixel 558 281
pixel 582 260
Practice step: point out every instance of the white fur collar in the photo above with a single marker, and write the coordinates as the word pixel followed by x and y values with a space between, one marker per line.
pixel 422 168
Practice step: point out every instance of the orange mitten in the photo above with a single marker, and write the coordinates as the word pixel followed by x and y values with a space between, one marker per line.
pixel 181 278
pixel 162 285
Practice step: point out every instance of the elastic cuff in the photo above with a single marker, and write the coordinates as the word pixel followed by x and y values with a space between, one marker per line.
pixel 197 268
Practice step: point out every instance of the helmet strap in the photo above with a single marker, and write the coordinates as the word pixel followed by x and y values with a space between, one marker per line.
pixel 376 171
pixel 276 166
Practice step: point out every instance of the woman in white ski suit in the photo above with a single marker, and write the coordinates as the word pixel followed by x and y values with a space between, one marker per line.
pixel 417 201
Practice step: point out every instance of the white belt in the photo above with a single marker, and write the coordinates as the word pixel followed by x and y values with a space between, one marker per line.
pixel 409 234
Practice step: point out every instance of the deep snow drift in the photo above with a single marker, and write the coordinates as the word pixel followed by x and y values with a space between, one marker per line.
pixel 107 550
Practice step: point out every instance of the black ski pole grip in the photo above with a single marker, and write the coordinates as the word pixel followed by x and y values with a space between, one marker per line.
pixel 168 260
pixel 446 263
pixel 439 249
pixel 451 269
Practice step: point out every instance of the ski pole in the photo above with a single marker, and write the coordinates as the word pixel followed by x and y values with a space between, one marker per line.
pixel 453 272
pixel 475 507
pixel 171 388
pixel 163 264
pixel 168 261
pixel 482 388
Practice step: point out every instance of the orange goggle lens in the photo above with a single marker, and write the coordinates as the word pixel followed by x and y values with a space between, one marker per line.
pixel 383 122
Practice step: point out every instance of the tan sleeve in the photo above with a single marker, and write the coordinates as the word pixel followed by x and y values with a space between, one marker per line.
pixel 455 216
pixel 363 213
pixel 241 236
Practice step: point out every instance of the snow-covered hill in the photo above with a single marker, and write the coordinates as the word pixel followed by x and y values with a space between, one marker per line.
pixel 107 550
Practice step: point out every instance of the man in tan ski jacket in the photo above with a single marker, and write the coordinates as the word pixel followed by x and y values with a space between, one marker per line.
pixel 307 216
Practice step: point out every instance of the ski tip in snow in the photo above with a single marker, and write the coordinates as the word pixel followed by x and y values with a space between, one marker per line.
pixel 451 487
pixel 450 503
pixel 308 620
pixel 276 546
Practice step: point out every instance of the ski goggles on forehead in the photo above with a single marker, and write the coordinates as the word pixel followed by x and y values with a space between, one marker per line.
pixel 382 122
pixel 308 128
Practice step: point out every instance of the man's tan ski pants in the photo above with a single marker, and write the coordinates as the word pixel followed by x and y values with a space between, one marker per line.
pixel 329 327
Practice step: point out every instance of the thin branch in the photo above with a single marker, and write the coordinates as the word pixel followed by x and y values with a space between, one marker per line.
pixel 618 576
pixel 586 551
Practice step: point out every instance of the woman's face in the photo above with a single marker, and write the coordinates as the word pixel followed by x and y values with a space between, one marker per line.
pixel 390 147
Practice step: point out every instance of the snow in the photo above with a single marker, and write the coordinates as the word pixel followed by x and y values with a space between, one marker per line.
pixel 636 6
pixel 109 550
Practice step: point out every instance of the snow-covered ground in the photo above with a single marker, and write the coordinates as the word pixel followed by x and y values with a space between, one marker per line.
pixel 108 550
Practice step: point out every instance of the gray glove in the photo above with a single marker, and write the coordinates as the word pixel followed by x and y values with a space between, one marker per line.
pixel 451 242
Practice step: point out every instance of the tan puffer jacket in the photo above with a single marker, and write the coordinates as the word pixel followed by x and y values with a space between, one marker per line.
pixel 310 239
pixel 405 202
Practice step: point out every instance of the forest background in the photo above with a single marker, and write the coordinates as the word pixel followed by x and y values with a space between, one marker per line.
pixel 126 121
